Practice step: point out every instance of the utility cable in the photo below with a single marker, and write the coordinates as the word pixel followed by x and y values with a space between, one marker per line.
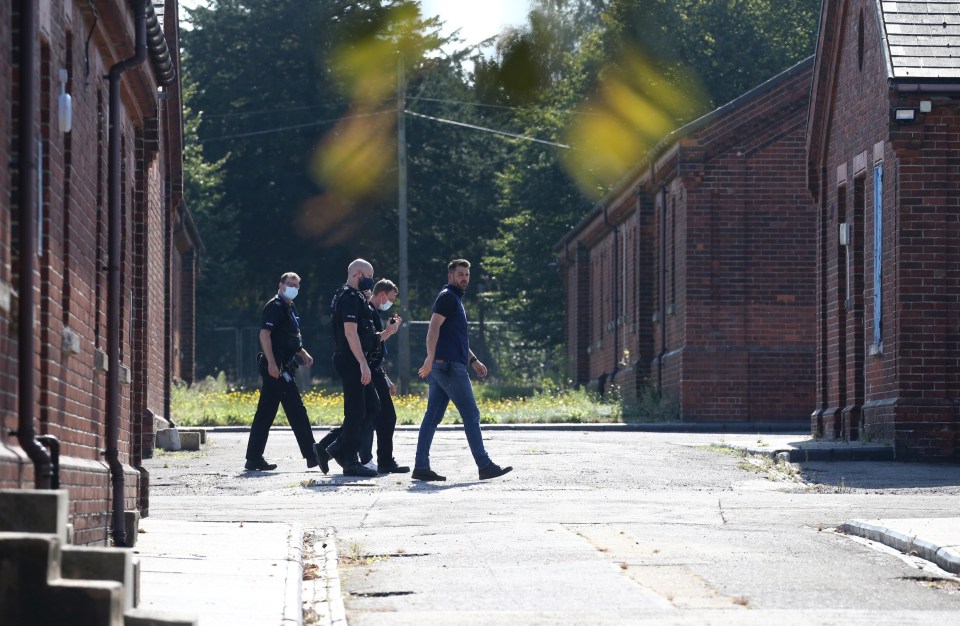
pixel 296 127
pixel 487 130
pixel 500 106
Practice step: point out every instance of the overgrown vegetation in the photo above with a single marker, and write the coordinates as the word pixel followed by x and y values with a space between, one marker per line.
pixel 651 406
pixel 214 403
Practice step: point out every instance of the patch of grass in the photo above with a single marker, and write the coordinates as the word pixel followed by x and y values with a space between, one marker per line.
pixel 216 404
pixel 775 470
pixel 356 555
pixel 726 450
pixel 651 406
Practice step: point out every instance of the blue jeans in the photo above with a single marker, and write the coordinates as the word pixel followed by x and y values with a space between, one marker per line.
pixel 450 381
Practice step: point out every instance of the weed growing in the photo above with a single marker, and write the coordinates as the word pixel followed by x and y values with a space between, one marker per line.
pixel 216 404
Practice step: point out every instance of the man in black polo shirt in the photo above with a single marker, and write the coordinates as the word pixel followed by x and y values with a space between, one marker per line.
pixel 354 336
pixel 448 357
pixel 282 344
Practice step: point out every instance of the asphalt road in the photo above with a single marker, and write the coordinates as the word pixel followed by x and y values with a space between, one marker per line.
pixel 592 528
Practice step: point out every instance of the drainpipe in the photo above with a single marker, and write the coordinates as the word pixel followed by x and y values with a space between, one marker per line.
pixel 113 273
pixel 616 295
pixel 26 181
pixel 662 287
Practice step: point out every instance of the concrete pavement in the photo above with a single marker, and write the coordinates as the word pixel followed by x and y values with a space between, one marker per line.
pixel 253 572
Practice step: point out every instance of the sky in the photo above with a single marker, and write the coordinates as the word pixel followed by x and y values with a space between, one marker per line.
pixel 476 19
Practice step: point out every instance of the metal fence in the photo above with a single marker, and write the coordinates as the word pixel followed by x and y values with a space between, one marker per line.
pixel 511 359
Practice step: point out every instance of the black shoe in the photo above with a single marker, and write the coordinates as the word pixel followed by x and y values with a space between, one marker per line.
pixel 426 474
pixel 336 452
pixel 493 470
pixel 359 470
pixel 323 459
pixel 259 465
pixel 391 467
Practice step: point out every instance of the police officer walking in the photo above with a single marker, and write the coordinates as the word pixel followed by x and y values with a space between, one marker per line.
pixel 354 337
pixel 283 352
pixel 385 421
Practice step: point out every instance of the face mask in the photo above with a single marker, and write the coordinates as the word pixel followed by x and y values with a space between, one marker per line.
pixel 290 292
pixel 366 283
pixel 386 305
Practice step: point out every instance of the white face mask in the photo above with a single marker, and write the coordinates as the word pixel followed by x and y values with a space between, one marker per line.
pixel 290 292
pixel 386 305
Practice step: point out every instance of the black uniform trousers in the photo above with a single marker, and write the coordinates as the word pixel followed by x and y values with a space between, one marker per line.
pixel 273 393
pixel 360 402
pixel 385 422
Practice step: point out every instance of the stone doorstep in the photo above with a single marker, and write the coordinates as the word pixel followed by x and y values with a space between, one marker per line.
pixel 168 439
pixel 32 587
pixel 72 581
pixel 34 511
pixel 90 563
pixel 202 431
pixel 174 439
pixel 190 440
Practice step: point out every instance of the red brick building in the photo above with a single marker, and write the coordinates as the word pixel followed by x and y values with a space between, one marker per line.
pixel 884 171
pixel 696 275
pixel 98 255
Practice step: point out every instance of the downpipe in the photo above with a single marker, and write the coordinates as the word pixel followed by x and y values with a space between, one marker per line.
pixel 26 181
pixel 615 274
pixel 112 452
pixel 662 287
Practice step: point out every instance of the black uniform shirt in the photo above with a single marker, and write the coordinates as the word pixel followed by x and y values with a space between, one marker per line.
pixel 376 356
pixel 281 319
pixel 349 305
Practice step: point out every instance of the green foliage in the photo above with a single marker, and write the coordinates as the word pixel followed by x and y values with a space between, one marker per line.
pixel 214 403
pixel 651 406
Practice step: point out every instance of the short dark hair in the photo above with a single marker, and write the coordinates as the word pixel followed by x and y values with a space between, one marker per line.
pixel 384 285
pixel 454 264
pixel 287 275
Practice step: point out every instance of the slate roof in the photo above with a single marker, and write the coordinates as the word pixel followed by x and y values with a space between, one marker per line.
pixel 922 38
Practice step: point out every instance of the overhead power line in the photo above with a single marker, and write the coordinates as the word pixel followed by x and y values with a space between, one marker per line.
pixel 269 131
pixel 487 130
pixel 500 106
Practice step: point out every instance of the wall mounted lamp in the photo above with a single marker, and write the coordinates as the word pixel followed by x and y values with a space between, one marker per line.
pixel 904 115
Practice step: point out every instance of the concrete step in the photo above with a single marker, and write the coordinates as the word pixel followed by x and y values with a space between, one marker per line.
pixel 33 592
pixel 115 564
pixel 44 581
pixel 34 511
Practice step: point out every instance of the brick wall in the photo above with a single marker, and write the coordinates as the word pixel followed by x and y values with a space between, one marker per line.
pixel 738 266
pixel 741 263
pixel 70 281
pixel 607 269
pixel 904 388
pixel 8 98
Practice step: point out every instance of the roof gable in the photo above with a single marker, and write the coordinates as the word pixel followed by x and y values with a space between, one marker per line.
pixel 922 38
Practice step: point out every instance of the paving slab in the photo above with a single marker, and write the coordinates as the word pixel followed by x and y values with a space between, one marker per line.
pixel 243 573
